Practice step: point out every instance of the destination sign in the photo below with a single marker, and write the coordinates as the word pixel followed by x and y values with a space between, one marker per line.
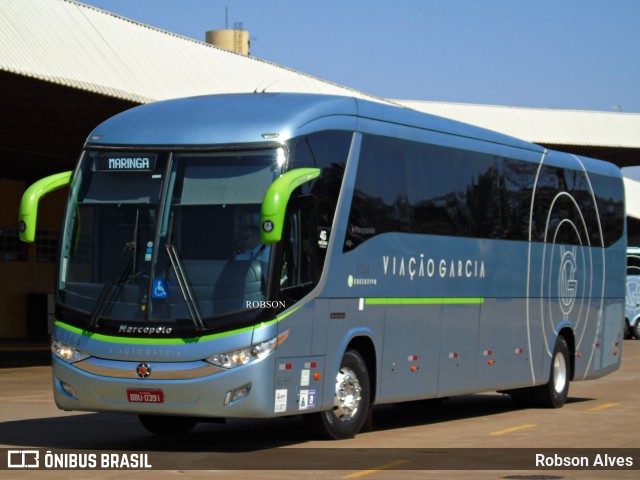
pixel 125 162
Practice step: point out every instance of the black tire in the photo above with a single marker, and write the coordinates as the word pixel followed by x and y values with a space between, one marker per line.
pixel 627 330
pixel 635 330
pixel 167 425
pixel 555 392
pixel 351 405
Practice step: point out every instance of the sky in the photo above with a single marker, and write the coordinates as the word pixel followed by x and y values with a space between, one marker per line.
pixel 561 54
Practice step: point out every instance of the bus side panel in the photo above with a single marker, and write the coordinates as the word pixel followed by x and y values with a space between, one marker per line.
pixel 504 356
pixel 616 258
pixel 552 305
pixel 300 332
pixel 612 336
pixel 579 289
pixel 588 335
pixel 459 349
pixel 411 352
pixel 296 389
pixel 321 317
pixel 611 326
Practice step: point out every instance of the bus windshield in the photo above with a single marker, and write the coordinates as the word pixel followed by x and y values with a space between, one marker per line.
pixel 169 237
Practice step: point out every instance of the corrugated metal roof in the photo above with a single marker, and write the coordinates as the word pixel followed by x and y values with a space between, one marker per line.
pixel 632 196
pixel 80 46
pixel 539 125
pixel 77 45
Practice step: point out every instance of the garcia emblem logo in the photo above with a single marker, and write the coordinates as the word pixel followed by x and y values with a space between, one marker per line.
pixel 567 283
pixel 143 370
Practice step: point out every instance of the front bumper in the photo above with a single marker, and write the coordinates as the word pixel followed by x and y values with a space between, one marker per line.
pixel 189 388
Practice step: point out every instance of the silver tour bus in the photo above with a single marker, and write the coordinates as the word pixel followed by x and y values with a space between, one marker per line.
pixel 264 255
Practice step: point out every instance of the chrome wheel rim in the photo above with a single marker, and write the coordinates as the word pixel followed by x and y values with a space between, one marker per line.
pixel 347 396
pixel 559 373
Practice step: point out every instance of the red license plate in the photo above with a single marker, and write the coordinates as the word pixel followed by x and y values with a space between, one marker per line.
pixel 145 396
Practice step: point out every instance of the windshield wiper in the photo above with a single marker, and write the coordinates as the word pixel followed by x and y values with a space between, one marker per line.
pixel 185 286
pixel 124 266
pixel 183 281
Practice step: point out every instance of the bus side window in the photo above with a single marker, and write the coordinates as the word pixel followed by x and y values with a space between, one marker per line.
pixel 299 255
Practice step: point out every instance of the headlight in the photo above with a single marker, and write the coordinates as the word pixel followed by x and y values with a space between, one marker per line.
pixel 67 353
pixel 231 359
pixel 242 356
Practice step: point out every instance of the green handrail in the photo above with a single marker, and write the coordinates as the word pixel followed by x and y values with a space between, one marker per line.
pixel 28 215
pixel 276 199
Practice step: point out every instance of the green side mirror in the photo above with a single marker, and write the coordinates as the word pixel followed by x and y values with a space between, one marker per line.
pixel 28 214
pixel 276 199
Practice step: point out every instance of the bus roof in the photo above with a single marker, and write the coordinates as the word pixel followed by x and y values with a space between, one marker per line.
pixel 258 117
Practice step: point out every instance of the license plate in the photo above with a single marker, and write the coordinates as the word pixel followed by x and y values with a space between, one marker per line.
pixel 145 396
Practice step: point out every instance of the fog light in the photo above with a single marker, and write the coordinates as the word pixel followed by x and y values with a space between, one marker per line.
pixel 68 389
pixel 239 393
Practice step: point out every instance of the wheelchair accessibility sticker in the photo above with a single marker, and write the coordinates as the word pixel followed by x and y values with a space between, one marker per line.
pixel 160 288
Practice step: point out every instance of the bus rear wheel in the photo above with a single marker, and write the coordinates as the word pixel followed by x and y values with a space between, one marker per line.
pixel 635 330
pixel 166 425
pixel 626 330
pixel 555 392
pixel 351 402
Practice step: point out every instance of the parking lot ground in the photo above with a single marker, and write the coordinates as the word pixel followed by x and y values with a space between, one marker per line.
pixel 456 439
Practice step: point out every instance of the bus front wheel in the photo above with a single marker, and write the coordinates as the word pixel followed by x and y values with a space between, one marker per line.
pixel 555 392
pixel 351 402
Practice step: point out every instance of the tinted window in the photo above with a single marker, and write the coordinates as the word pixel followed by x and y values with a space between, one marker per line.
pixel 410 187
pixel 610 202
pixel 327 151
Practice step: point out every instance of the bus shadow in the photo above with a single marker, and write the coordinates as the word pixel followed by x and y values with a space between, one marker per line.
pixel 123 432
pixel 426 412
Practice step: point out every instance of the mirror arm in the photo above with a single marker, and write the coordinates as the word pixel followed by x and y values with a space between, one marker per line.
pixel 274 204
pixel 28 214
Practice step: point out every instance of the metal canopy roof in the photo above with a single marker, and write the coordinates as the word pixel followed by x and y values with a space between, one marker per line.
pixel 557 127
pixel 73 44
pixel 65 67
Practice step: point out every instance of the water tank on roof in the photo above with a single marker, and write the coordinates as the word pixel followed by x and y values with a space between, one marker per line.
pixel 236 40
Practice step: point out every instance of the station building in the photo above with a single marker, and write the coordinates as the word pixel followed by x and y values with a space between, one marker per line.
pixel 65 67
